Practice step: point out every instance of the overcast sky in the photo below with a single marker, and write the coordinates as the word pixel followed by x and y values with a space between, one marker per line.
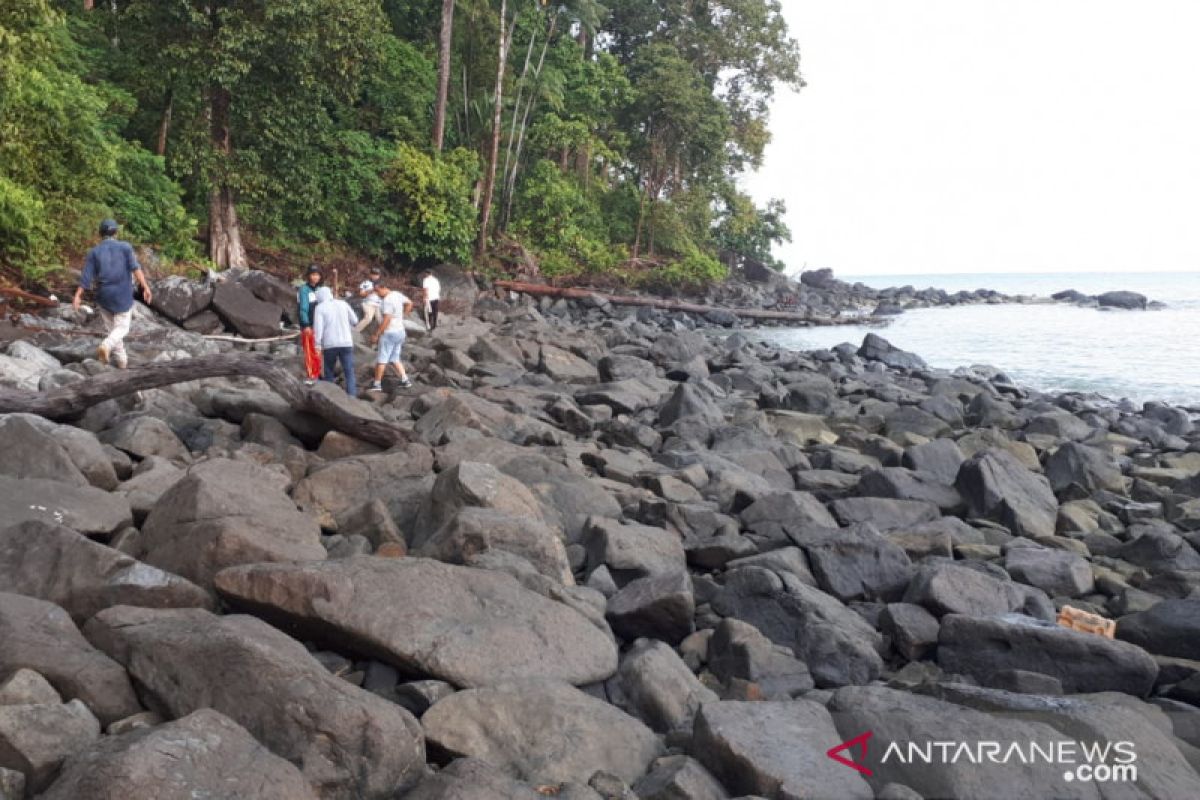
pixel 990 136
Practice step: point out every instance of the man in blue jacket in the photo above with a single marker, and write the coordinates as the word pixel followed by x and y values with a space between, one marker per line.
pixel 110 269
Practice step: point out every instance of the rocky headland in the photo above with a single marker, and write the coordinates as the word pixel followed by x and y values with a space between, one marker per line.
pixel 615 556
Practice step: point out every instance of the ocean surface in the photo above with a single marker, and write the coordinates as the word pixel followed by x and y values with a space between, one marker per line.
pixel 1141 355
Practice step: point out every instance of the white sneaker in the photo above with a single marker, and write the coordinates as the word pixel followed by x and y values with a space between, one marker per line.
pixel 309 382
pixel 376 387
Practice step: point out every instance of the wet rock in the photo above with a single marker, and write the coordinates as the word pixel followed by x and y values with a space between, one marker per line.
pixel 345 741
pixel 1122 299
pixel 1083 662
pixel 542 731
pixel 477 627
pixel 876 348
pixel 204 754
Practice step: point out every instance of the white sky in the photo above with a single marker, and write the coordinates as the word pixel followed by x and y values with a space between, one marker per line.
pixel 990 136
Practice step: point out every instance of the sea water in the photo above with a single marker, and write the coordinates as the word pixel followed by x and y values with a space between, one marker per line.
pixel 1140 355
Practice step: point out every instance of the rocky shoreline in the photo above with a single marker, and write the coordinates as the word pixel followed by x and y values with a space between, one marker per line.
pixel 619 558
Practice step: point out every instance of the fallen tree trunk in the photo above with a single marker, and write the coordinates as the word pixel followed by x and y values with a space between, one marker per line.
pixel 541 290
pixel 73 399
pixel 37 300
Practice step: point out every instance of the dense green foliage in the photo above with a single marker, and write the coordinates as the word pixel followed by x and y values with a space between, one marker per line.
pixel 624 129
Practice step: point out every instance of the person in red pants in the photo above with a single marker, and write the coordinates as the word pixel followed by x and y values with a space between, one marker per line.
pixel 306 299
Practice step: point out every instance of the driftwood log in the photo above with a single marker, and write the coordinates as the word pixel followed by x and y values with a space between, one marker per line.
pixel 541 290
pixel 73 399
pixel 37 300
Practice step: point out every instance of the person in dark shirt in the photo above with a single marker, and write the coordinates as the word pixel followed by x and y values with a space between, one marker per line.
pixel 306 301
pixel 110 270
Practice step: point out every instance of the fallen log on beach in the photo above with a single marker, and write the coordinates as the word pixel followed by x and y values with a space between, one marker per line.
pixel 73 399
pixel 569 293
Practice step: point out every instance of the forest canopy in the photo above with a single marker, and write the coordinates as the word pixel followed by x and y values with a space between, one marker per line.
pixel 599 138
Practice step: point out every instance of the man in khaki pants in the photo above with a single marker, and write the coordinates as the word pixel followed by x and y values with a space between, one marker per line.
pixel 110 269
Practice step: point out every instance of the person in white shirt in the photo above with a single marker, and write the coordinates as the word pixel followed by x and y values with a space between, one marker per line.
pixel 371 301
pixel 390 336
pixel 333 331
pixel 433 295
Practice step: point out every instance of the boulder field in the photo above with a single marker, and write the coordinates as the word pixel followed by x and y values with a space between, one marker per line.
pixel 624 554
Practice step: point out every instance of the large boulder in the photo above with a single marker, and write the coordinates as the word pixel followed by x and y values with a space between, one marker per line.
pixel 542 731
pixel 997 486
pixel 345 741
pixel 1126 300
pixel 856 563
pixel 738 651
pixel 1058 573
pixel 633 551
pixel 475 627
pixel 475 532
pixel 332 490
pixel 900 719
pixel 627 396
pixel 1169 628
pixel 226 513
pixel 90 511
pixel 658 606
pixel 899 483
pixel 471 484
pixel 566 367
pixel 778 516
pixel 204 754
pixel 655 685
pixel 57 564
pixel 178 299
pixel 876 348
pixel 32 453
pixel 34 739
pixel 568 499
pixel 41 636
pixel 884 513
pixel 838 645
pixel 1079 471
pixel 243 312
pixel 1083 662
pixel 472 779
pixel 945 587
pixel 775 749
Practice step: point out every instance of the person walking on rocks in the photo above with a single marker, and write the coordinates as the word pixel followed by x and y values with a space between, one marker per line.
pixel 110 269
pixel 390 336
pixel 433 297
pixel 333 330
pixel 306 299
pixel 371 301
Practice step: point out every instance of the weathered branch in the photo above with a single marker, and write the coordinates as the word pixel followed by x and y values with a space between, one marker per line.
pixel 75 398
pixel 538 289
pixel 27 297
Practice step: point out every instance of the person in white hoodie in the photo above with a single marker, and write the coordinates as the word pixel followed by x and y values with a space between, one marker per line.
pixel 333 330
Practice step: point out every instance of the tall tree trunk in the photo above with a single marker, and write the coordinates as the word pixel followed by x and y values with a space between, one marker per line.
pixel 510 185
pixel 164 126
pixel 512 132
pixel 88 5
pixel 224 234
pixel 489 183
pixel 443 91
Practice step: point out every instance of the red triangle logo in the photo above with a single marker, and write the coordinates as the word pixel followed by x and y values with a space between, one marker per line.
pixel 858 764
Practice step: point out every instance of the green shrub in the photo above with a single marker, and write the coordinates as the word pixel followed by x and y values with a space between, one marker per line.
pixel 432 217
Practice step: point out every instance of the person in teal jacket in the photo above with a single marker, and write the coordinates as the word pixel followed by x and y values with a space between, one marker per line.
pixel 306 299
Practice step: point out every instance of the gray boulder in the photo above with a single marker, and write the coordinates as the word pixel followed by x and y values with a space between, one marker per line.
pixel 243 312
pixel 884 513
pixel 1169 628
pixel 476 627
pixel 679 778
pixel 899 483
pixel 226 513
pixel 542 732
pixel 838 646
pixel 41 637
pixel 1126 300
pixel 656 686
pixel 178 299
pixel 945 587
pixel 876 348
pixel 34 740
pixel 856 563
pixel 1083 662
pixel 57 564
pixel 1079 471
pixel 940 459
pixel 472 532
pixel 633 551
pixel 1058 573
pixel 345 741
pixel 738 651
pixel 204 754
pixel 90 511
pixel 997 486
pixel 30 452
pixel 774 749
